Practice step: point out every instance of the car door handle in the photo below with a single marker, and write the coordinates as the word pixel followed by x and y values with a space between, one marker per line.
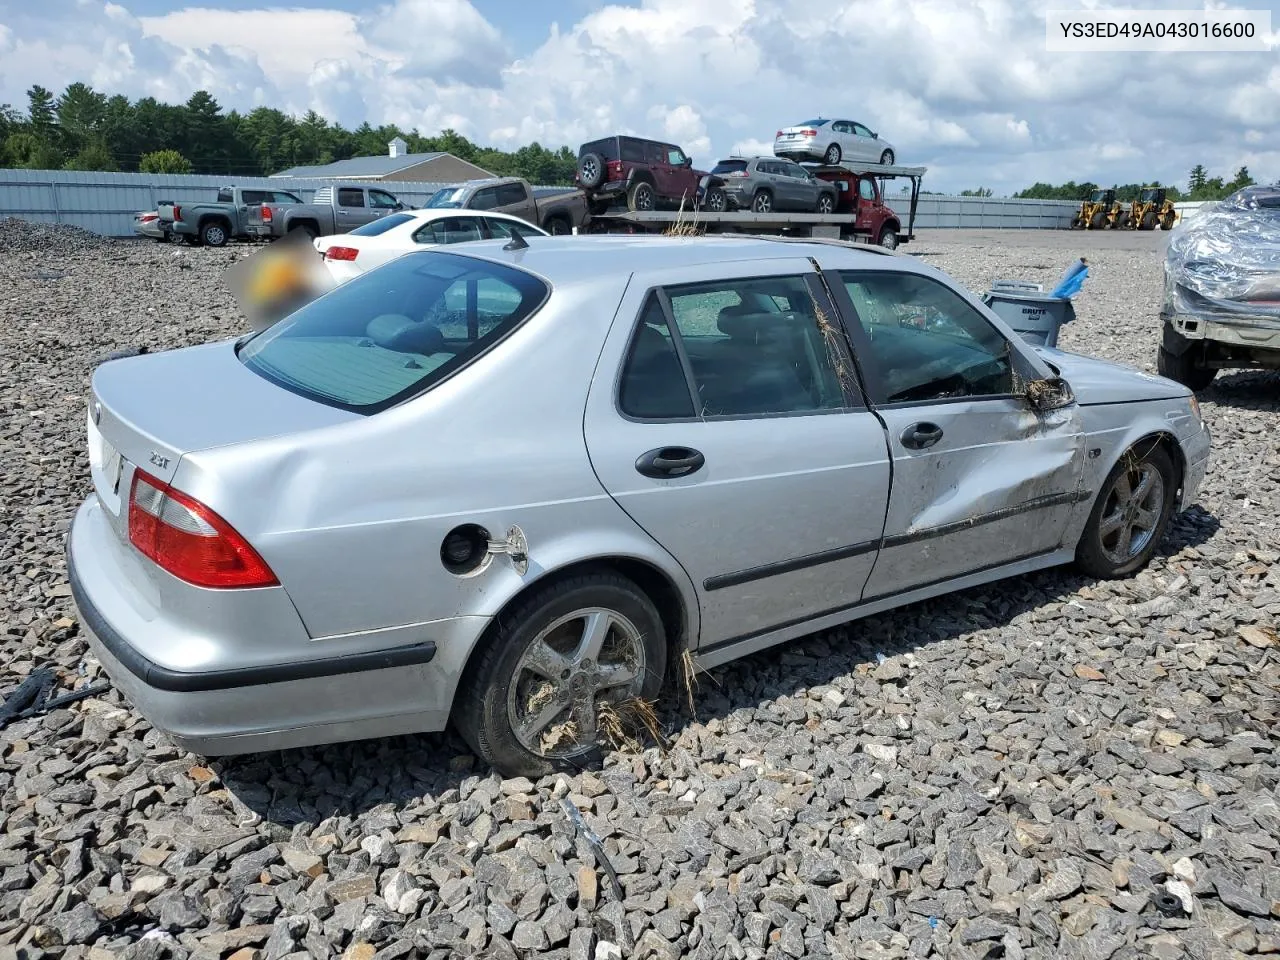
pixel 921 435
pixel 670 462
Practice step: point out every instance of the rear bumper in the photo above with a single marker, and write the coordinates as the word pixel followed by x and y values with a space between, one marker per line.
pixel 233 709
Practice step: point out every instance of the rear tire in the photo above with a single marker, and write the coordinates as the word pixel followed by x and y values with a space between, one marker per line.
pixel 305 229
pixel 1148 221
pixel 641 198
pixel 591 170
pixel 1132 509
pixel 558 226
pixel 832 156
pixel 493 682
pixel 1097 221
pixel 887 158
pixel 1184 369
pixel 214 234
pixel 826 204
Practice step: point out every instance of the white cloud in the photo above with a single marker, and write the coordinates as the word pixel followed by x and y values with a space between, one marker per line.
pixel 963 86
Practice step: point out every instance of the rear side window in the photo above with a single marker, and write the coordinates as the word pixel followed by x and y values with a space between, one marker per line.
pixel 394 332
pixel 375 227
pixel 449 230
pixel 350 197
pixel 639 151
pixel 755 346
pixel 607 148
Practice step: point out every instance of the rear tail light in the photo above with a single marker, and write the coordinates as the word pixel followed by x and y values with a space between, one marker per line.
pixel 148 217
pixel 341 253
pixel 614 167
pixel 190 541
pixel 177 213
pixel 777 135
pixel 808 133
pixel 736 173
pixel 266 214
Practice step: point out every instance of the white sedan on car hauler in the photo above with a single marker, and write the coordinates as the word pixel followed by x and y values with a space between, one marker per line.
pixel 347 255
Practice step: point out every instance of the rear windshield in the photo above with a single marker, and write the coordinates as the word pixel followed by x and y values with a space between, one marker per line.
pixel 812 123
pixel 448 197
pixel 381 225
pixel 730 166
pixel 393 332
pixel 607 148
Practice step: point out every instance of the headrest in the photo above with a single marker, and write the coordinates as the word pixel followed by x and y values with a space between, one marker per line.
pixel 753 326
pixel 395 331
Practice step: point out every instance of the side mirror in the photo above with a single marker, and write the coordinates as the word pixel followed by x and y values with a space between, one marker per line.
pixel 1053 393
pixel 688 161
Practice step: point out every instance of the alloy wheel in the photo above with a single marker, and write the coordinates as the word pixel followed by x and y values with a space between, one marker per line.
pixel 1131 514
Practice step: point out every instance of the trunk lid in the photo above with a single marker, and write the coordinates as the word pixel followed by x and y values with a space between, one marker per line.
pixel 147 412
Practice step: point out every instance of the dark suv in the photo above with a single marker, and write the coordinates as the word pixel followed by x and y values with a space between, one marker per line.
pixel 648 173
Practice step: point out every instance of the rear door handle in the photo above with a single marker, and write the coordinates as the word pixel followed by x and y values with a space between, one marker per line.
pixel 921 435
pixel 666 462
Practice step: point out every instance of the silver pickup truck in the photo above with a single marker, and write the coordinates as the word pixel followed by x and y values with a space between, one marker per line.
pixel 333 210
pixel 553 212
pixel 214 223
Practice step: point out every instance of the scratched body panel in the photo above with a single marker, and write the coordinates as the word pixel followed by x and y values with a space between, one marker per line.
pixel 998 487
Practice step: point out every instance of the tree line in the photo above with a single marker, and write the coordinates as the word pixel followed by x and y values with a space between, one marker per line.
pixel 1200 186
pixel 84 129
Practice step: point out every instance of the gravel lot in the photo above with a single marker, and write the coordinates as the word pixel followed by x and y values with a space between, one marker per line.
pixel 1019 771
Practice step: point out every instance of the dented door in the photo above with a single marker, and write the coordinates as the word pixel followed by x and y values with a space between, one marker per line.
pixel 980 477
pixel 997 486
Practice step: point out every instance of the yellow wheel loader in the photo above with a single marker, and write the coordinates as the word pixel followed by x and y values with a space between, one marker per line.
pixel 1152 209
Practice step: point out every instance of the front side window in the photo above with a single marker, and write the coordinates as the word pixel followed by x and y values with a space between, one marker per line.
pixel 866 190
pixel 756 347
pixel 485 199
pixel 861 131
pixel 511 193
pixel 382 201
pixel 927 343
pixel 350 197
pixel 675 156
pixel 394 332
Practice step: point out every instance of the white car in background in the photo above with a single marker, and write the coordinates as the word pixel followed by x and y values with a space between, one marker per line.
pixel 347 255
pixel 832 141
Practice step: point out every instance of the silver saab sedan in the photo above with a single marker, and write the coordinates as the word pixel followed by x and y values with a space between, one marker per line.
pixel 508 486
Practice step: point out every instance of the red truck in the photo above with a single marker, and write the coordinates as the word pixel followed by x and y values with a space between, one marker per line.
pixel 859 194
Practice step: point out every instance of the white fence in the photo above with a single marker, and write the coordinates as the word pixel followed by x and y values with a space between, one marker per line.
pixel 106 202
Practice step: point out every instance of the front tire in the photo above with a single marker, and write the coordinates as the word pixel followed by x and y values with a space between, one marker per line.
pixel 889 238
pixel 762 202
pixel 715 200
pixel 1184 369
pixel 529 700
pixel 826 204
pixel 558 226
pixel 1130 515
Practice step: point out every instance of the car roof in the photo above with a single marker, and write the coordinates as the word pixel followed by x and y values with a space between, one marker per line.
pixel 575 258
pixel 435 213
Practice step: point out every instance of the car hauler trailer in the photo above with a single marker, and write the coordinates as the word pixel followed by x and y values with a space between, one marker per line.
pixel 861 213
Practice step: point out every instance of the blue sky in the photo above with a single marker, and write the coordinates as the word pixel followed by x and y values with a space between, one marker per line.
pixel 965 87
